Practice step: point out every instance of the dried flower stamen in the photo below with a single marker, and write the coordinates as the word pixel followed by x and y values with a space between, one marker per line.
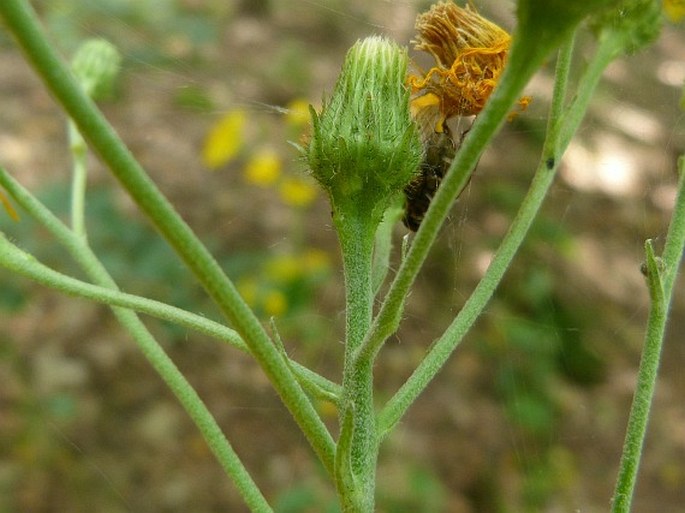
pixel 470 52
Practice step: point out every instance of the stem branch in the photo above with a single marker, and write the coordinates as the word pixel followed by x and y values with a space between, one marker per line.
pixel 25 264
pixel 22 22
pixel 551 154
pixel 660 283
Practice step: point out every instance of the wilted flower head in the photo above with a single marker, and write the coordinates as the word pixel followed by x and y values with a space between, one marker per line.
pixel 469 51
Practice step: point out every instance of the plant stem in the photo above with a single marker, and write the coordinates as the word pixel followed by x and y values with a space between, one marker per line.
pixel 397 406
pixel 660 284
pixel 22 22
pixel 607 50
pixel 445 345
pixel 523 62
pixel 16 260
pixel 22 262
pixel 673 247
pixel 357 451
pixel 79 177
pixel 383 246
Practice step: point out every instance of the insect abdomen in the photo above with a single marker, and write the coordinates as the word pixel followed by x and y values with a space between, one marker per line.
pixel 440 151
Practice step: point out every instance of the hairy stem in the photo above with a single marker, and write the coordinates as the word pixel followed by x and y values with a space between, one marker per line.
pixel 23 263
pixel 316 385
pixel 21 21
pixel 79 175
pixel 544 176
pixel 523 62
pixel 357 451
pixel 660 283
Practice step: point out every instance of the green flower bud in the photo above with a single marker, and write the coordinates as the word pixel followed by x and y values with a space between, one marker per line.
pixel 546 22
pixel 96 65
pixel 364 146
pixel 633 24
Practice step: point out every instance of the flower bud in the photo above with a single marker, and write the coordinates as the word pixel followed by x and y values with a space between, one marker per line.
pixel 633 24
pixel 364 146
pixel 543 24
pixel 96 64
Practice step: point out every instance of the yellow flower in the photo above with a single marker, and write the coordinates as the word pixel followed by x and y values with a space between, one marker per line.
pixel 297 192
pixel 283 268
pixel 469 51
pixel 315 260
pixel 298 113
pixel 675 10
pixel 275 303
pixel 263 168
pixel 248 290
pixel 224 140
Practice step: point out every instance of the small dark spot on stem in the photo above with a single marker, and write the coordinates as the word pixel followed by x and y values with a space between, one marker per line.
pixel 550 163
pixel 643 269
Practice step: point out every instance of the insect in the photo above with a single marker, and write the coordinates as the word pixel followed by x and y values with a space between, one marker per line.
pixel 440 150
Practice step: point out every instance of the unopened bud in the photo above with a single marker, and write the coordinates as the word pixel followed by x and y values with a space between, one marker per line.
pixel 96 64
pixel 364 146
pixel 633 24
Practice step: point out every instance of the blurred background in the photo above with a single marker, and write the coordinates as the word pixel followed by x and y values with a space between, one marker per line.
pixel 529 414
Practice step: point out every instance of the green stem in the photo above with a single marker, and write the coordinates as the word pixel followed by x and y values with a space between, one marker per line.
pixel 523 62
pixel 79 176
pixel 357 450
pixel 21 263
pixel 24 264
pixel 660 284
pixel 22 22
pixel 315 384
pixel 77 246
pixel 607 50
pixel 673 248
pixel 545 173
pixel 383 246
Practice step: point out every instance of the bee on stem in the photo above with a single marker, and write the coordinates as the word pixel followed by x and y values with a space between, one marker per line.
pixel 439 153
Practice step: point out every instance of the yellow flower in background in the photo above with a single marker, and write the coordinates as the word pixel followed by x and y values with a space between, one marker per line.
pixel 263 168
pixel 248 289
pixel 283 282
pixel 283 268
pixel 674 9
pixel 287 267
pixel 275 303
pixel 298 113
pixel 225 139
pixel 272 302
pixel 315 260
pixel 297 192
